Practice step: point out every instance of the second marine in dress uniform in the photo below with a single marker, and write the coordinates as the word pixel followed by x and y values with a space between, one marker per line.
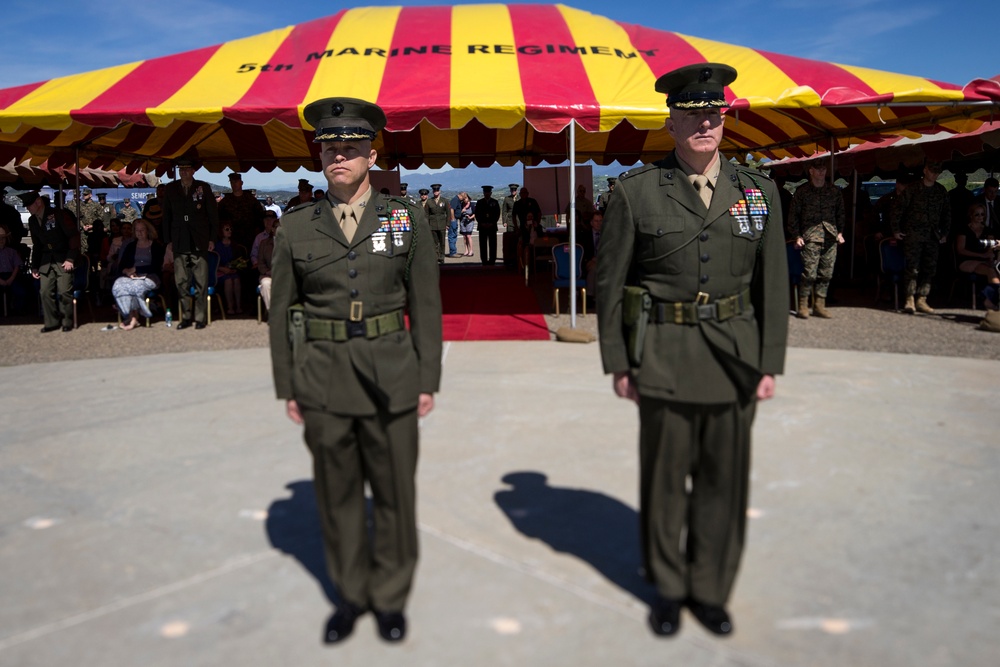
pixel 699 243
pixel 55 249
pixel 346 272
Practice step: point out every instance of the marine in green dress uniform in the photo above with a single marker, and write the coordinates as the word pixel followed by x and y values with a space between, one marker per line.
pixel 438 211
pixel 55 249
pixel 711 264
pixel 346 269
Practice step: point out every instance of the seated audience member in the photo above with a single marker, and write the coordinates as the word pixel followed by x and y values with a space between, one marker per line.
pixel 270 222
pixel 228 277
pixel 140 264
pixel 112 268
pixel 264 256
pixel 11 267
pixel 973 251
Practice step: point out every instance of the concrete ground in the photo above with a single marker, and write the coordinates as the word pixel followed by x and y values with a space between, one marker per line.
pixel 158 511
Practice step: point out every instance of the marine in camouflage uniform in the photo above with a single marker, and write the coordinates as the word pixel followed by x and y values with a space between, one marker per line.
pixel 605 197
pixel 129 212
pixel 922 219
pixel 816 225
pixel 90 211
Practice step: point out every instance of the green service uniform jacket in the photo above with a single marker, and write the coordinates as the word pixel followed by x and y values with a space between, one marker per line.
pixel 437 214
pixel 658 234
pixel 314 265
pixel 190 220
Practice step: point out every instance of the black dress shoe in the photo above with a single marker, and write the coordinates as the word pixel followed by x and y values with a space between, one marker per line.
pixel 391 625
pixel 714 618
pixel 184 324
pixel 67 329
pixel 48 329
pixel 340 626
pixel 199 325
pixel 665 616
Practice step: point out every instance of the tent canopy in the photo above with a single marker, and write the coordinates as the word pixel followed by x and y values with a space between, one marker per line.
pixel 457 94
pixel 966 152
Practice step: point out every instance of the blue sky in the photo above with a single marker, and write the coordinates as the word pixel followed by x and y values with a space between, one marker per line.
pixel 927 38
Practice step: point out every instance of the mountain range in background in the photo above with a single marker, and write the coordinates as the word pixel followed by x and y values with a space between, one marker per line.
pixel 470 179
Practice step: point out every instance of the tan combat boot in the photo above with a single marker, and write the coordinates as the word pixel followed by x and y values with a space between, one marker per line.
pixel 909 307
pixel 922 305
pixel 819 309
pixel 803 309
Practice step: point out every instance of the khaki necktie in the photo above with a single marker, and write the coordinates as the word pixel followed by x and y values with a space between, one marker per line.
pixel 348 223
pixel 700 183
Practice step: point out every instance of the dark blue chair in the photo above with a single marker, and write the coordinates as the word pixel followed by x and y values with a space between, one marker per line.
pixel 795 269
pixel 560 273
pixel 892 264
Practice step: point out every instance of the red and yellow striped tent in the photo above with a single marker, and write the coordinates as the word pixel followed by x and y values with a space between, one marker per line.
pixel 460 85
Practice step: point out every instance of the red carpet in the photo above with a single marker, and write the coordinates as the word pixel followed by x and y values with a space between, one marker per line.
pixel 489 303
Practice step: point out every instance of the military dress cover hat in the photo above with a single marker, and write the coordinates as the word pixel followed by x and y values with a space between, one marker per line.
pixel 185 162
pixel 28 198
pixel 435 186
pixel 698 86
pixel 344 119
pixel 487 188
pixel 514 186
pixel 305 185
pixel 404 186
pixel 424 191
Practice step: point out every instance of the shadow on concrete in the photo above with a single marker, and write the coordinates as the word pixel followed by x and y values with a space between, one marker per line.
pixel 591 526
pixel 293 527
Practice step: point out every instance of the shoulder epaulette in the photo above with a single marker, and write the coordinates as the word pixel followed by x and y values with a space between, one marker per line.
pixel 638 170
pixel 750 170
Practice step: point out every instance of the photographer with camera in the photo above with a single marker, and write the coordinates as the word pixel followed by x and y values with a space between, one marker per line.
pixel 975 253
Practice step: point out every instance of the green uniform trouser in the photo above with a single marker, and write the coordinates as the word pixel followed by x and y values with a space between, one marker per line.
pixel 711 444
pixel 347 452
pixel 56 294
pixel 191 269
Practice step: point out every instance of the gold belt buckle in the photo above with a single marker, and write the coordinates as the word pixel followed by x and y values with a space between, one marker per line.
pixel 701 299
pixel 356 310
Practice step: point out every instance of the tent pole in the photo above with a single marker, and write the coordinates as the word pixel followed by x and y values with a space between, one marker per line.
pixel 854 221
pixel 572 224
pixel 76 194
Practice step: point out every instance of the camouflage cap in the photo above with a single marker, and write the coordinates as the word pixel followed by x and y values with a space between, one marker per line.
pixel 236 176
pixel 697 86
pixel 344 119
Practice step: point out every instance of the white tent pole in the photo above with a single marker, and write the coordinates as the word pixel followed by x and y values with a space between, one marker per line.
pixel 572 224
